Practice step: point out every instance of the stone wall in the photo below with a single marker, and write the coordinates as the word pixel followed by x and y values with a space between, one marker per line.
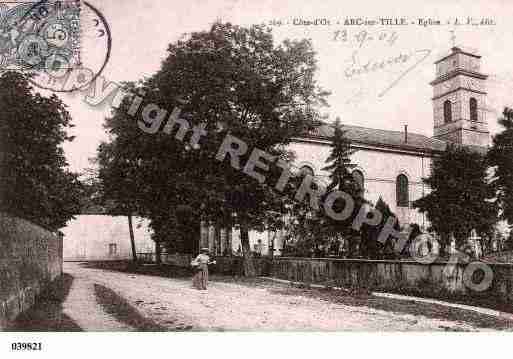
pixel 233 266
pixel 30 259
pixel 229 265
pixel 440 279
pixel 179 260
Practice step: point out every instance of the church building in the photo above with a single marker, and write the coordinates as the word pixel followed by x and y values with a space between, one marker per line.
pixel 391 164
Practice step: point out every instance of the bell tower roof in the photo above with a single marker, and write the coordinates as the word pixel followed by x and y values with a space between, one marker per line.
pixel 458 62
pixel 459 50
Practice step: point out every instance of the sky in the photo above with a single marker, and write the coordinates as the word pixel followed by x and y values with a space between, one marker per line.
pixel 387 98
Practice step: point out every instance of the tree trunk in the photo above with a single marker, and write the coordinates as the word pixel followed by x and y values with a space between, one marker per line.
pixel 229 245
pixel 158 253
pixel 272 244
pixel 217 240
pixel 132 238
pixel 193 238
pixel 353 244
pixel 445 243
pixel 247 257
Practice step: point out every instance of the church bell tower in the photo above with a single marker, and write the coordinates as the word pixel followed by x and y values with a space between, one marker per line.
pixel 459 99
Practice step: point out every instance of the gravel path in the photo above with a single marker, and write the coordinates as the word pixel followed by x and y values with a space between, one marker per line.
pixel 173 304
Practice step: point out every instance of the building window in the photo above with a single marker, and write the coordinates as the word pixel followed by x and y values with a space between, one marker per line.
pixel 307 170
pixel 402 194
pixel 358 177
pixel 113 249
pixel 447 111
pixel 473 109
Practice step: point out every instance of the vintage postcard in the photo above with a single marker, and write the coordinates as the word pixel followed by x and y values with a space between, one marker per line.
pixel 254 166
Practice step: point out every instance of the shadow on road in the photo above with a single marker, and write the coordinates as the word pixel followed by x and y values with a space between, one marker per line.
pixel 46 315
pixel 120 309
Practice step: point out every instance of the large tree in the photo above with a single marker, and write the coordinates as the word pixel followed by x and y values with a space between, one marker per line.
pixel 308 229
pixel 117 185
pixel 370 245
pixel 35 181
pixel 339 164
pixel 230 80
pixel 500 157
pixel 340 168
pixel 461 197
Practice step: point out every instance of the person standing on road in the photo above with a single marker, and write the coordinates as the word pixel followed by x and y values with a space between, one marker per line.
pixel 200 264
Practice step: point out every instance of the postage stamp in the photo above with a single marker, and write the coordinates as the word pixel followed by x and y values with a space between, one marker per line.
pixel 40 36
pixel 50 39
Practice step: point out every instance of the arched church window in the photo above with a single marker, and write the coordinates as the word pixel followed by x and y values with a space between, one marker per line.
pixel 473 109
pixel 402 193
pixel 447 111
pixel 358 177
pixel 307 170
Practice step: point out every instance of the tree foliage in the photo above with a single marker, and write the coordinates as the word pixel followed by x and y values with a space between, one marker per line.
pixel 339 164
pixel 340 169
pixel 371 247
pixel 35 181
pixel 500 157
pixel 229 80
pixel 315 228
pixel 461 197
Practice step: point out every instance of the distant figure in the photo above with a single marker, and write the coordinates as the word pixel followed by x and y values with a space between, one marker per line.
pixel 200 265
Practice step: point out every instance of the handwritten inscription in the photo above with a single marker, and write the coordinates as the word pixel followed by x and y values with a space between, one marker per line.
pixel 405 62
pixel 363 37
pixel 358 67
pixel 421 55
pixel 371 47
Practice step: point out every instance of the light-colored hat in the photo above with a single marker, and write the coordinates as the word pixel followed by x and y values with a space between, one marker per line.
pixel 205 250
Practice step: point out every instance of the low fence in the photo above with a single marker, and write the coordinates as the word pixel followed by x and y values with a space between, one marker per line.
pixel 30 259
pixel 439 279
pixel 230 265
pixel 179 260
pixel 233 266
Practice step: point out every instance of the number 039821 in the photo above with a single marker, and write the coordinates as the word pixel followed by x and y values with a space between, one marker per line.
pixel 26 346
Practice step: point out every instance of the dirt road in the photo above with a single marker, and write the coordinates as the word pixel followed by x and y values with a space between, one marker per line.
pixel 100 300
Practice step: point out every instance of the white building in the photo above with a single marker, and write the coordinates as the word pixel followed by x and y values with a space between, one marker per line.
pixel 391 164
pixel 104 237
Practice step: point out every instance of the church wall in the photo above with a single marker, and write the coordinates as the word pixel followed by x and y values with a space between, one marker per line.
pixel 460 102
pixel 475 138
pixel 460 111
pixel 380 169
pixel 465 97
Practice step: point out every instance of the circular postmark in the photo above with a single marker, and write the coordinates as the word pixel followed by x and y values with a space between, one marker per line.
pixel 51 40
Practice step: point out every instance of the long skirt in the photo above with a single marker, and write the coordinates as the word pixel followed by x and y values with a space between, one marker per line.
pixel 200 279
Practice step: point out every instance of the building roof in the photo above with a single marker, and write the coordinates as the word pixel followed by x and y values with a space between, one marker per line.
pixel 385 138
